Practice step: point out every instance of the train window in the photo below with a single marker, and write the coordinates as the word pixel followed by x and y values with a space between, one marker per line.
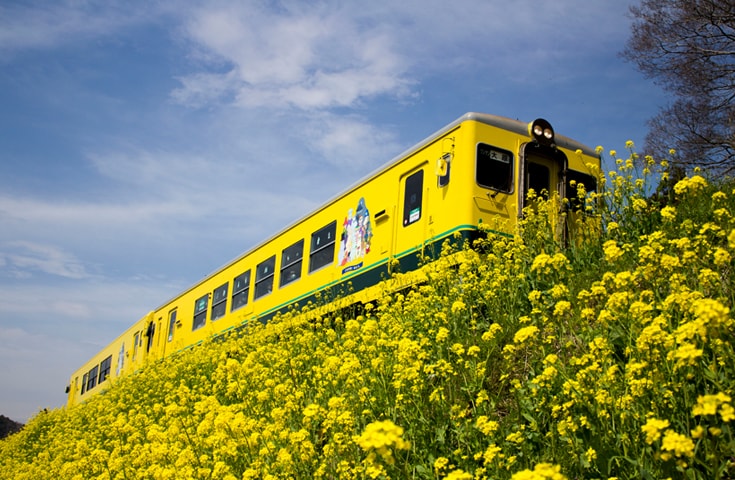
pixel 92 380
pixel 264 277
pixel 538 180
pixel 200 312
pixel 574 179
pixel 444 166
pixel 171 324
pixel 494 168
pixel 240 291
pixel 291 260
pixel 120 359
pixel 322 247
pixel 412 198
pixel 219 302
pixel 84 382
pixel 105 368
pixel 136 339
pixel 150 332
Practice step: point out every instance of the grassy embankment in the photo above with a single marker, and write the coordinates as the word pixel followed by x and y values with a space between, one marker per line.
pixel 610 358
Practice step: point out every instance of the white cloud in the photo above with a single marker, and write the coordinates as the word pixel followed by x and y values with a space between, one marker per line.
pixel 23 258
pixel 297 57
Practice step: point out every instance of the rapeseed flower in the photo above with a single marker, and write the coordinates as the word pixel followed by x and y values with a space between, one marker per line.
pixel 525 333
pixel 677 444
pixel 542 471
pixel 382 437
pixel 653 429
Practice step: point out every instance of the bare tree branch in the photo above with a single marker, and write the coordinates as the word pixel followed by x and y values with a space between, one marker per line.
pixel 688 47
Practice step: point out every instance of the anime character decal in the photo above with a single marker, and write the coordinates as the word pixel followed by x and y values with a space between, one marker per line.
pixel 357 232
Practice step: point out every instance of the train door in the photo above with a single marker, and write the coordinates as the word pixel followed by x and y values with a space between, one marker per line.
pixel 543 173
pixel 411 218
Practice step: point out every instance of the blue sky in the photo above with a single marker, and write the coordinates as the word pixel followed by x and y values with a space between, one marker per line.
pixel 143 144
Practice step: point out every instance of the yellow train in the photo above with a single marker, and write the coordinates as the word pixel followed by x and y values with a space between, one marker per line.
pixel 476 170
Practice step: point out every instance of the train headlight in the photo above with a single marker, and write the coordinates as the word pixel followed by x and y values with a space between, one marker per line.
pixel 542 131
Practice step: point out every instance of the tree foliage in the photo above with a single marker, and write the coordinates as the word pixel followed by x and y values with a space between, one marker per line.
pixel 688 47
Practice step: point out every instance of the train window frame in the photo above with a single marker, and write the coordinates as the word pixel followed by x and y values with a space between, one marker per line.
pixel 495 154
pixel 200 312
pixel 238 292
pixel 219 302
pixel 322 254
pixel 105 369
pixel 413 197
pixel 264 274
pixel 292 260
pixel 172 324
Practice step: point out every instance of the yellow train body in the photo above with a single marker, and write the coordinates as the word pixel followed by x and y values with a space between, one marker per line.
pixel 478 169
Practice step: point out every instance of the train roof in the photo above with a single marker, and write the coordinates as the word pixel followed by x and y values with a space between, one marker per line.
pixel 515 126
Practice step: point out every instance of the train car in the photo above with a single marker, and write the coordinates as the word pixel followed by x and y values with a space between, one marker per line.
pixel 476 170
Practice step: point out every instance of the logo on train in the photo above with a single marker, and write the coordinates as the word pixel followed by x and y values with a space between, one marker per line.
pixel 357 233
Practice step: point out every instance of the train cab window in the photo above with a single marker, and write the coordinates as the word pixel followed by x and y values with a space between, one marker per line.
pixel 171 324
pixel 264 277
pixel 240 291
pixel 84 382
pixel 92 380
pixel 105 368
pixel 322 247
pixel 291 260
pixel 219 302
pixel 412 198
pixel 494 168
pixel 200 312
pixel 574 179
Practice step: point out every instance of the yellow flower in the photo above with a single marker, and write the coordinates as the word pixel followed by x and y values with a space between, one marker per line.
pixel 442 334
pixel 458 475
pixel 525 333
pixel 542 471
pixel 440 464
pixel 722 257
pixel 458 306
pixel 653 428
pixel 686 354
pixel 668 213
pixel 612 251
pixel 591 454
pixel 381 437
pixel 486 426
pixel 639 204
pixel 710 404
pixel 680 445
pixel 515 437
pixel 491 332
pixel 562 307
